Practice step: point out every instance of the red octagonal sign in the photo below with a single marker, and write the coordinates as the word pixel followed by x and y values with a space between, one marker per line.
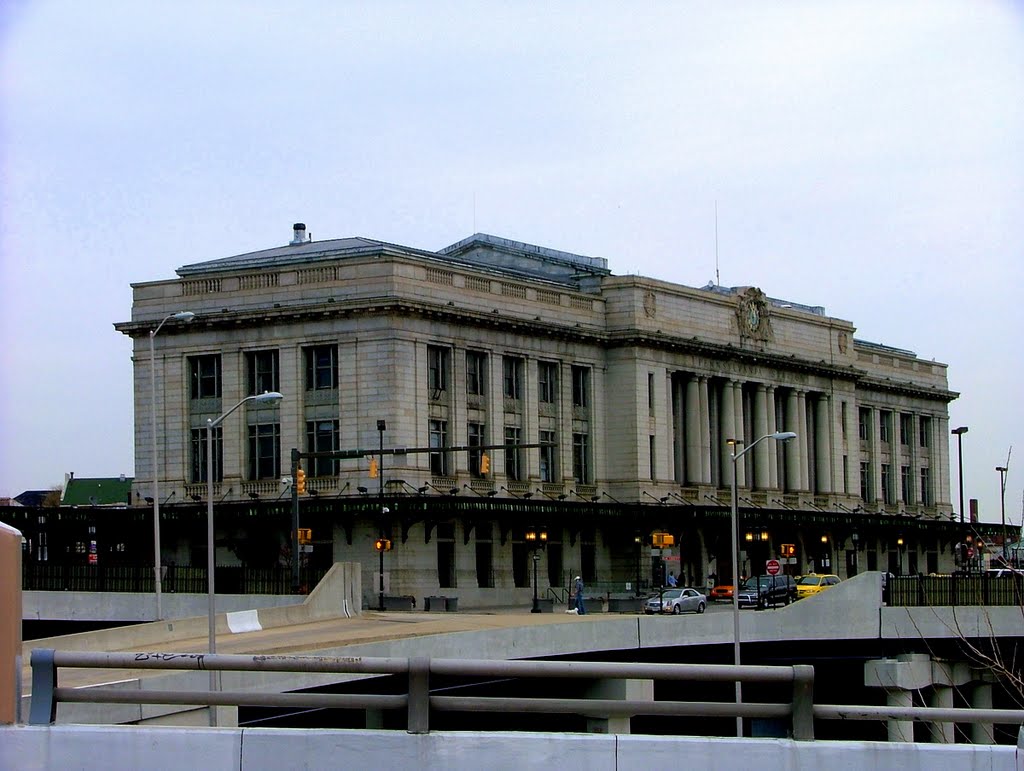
pixel 772 567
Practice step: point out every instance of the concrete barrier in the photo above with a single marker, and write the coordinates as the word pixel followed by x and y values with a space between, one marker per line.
pixel 336 595
pixel 32 748
pixel 10 624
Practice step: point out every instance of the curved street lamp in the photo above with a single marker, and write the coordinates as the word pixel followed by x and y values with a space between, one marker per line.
pixel 269 398
pixel 779 436
pixel 185 316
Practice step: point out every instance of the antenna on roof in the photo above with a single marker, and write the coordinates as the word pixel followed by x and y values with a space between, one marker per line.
pixel 718 278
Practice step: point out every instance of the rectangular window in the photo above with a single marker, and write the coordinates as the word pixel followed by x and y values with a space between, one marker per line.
pixel 439 439
pixel 513 458
pixel 580 386
pixel 199 458
pixel 581 458
pixel 476 373
pixel 906 485
pixel 476 438
pixel 865 481
pixel 264 451
pixel 884 426
pixel 512 376
pixel 650 447
pixel 925 430
pixel 886 484
pixel 204 376
pixel 437 370
pixel 321 368
pixel 263 372
pixel 548 469
pixel 322 436
pixel 547 382
pixel 926 487
pixel 842 420
pixel 906 428
pixel 864 426
pixel 650 394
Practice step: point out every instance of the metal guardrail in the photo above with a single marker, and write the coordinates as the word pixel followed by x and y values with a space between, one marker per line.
pixel 419 703
pixel 47 693
pixel 182 580
pixel 954 590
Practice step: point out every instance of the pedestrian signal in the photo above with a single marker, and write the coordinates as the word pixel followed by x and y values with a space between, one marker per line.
pixel 382 544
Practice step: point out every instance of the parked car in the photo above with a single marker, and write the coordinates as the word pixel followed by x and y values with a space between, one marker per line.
pixel 676 601
pixel 762 591
pixel 813 583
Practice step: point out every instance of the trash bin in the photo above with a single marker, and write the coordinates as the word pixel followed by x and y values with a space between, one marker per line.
pixel 434 604
pixel 451 604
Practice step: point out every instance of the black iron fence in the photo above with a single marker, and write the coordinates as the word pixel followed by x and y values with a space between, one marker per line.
pixel 957 589
pixel 183 580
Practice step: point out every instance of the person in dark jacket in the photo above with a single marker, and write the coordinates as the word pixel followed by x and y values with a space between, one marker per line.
pixel 578 590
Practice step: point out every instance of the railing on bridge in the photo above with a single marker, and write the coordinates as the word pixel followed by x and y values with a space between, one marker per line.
pixel 954 590
pixel 182 580
pixel 418 701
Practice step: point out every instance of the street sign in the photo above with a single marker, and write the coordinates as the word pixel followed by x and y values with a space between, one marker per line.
pixel 772 567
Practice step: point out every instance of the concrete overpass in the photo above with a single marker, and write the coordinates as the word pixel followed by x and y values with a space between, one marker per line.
pixel 324 625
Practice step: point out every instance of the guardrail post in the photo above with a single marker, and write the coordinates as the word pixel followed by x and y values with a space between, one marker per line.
pixel 803 702
pixel 44 687
pixel 419 696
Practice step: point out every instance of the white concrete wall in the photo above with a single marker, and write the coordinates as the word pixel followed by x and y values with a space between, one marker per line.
pixel 67 748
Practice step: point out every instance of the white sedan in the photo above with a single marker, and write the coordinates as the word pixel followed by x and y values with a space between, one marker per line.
pixel 676 601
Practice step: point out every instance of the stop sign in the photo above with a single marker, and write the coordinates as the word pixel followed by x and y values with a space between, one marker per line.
pixel 772 567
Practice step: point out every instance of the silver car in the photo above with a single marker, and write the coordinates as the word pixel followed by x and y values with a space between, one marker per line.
pixel 676 601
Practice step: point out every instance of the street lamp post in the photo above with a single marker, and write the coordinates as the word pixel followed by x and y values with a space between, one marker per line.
pixel 536 540
pixel 780 436
pixel 269 398
pixel 1002 504
pixel 639 545
pixel 959 433
pixel 381 428
pixel 185 316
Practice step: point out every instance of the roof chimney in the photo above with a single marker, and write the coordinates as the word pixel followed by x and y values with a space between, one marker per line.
pixel 299 234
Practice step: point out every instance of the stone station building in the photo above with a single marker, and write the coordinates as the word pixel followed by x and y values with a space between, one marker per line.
pixel 630 386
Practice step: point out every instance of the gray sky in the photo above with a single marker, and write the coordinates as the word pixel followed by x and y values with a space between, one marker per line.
pixel 864 156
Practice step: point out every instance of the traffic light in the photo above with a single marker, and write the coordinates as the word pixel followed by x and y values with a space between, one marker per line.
pixel 382 544
pixel 300 481
pixel 485 464
pixel 373 468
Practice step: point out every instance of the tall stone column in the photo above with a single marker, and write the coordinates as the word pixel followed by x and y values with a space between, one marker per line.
pixel 792 448
pixel 678 433
pixel 740 429
pixel 705 432
pixel 942 697
pixel 803 440
pixel 823 445
pixel 728 418
pixel 760 476
pixel 875 462
pixel 773 447
pixel 694 473
pixel 981 698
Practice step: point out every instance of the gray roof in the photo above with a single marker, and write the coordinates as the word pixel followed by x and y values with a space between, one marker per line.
pixel 308 251
pixel 480 250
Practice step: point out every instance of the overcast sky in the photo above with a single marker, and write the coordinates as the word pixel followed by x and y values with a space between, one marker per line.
pixel 864 156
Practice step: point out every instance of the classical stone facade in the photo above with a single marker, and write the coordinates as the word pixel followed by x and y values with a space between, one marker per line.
pixel 626 390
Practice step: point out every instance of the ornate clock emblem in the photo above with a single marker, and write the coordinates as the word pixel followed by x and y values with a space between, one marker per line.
pixel 752 313
pixel 753 317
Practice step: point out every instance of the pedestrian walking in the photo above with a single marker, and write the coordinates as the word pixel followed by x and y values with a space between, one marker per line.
pixel 578 590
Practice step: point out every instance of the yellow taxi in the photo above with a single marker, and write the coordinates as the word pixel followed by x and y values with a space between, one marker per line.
pixel 813 583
